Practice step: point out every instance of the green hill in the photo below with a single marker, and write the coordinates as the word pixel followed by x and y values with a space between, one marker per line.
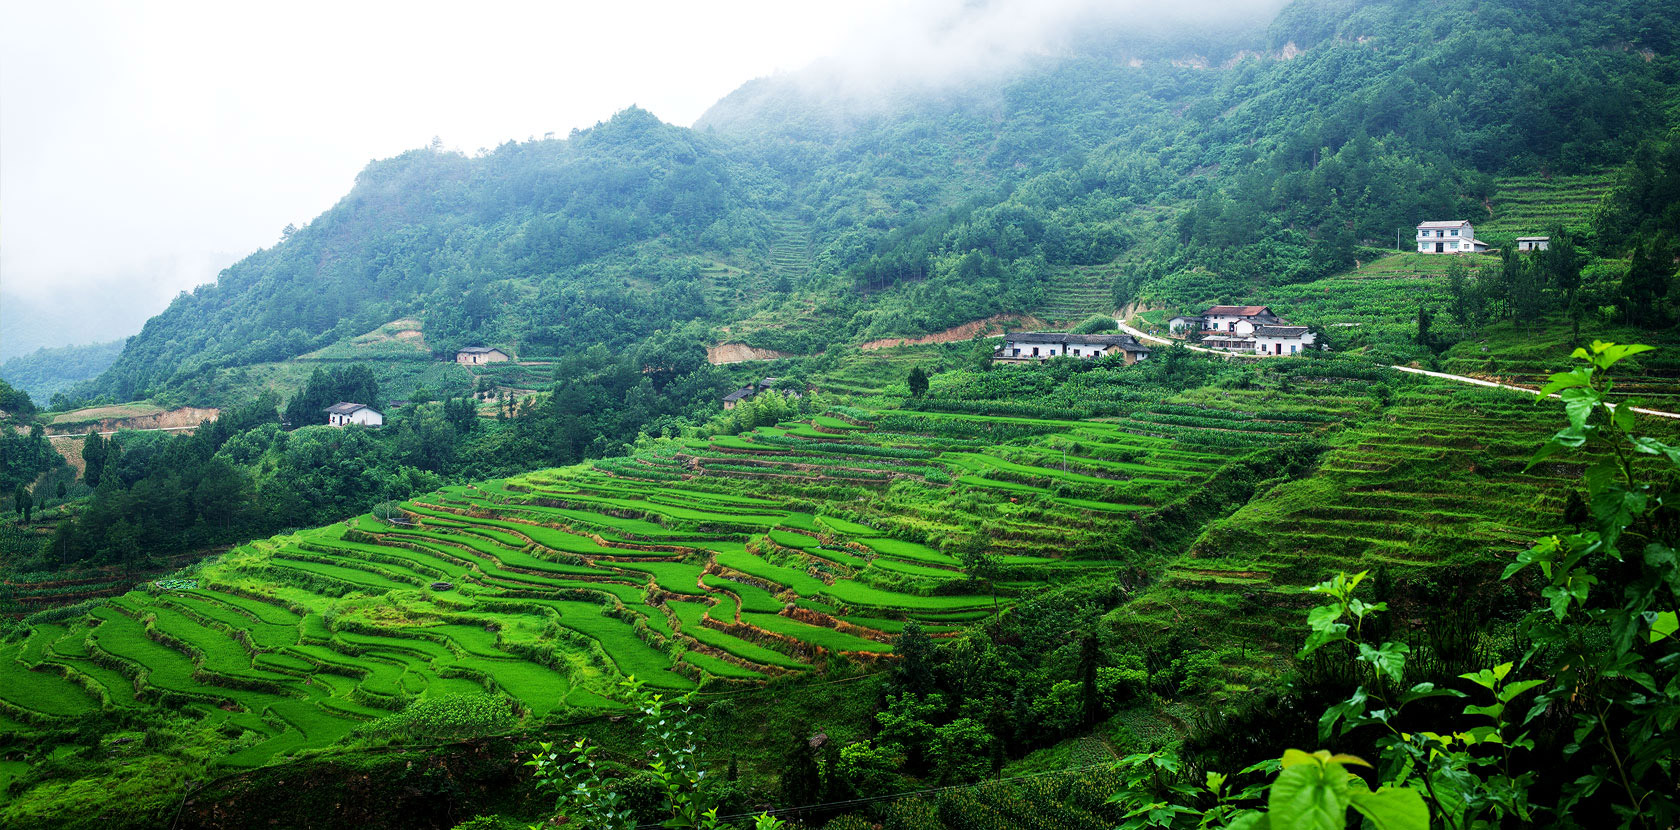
pixel 1169 153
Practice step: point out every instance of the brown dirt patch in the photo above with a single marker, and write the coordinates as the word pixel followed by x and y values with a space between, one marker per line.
pixel 740 353
pixel 177 419
pixel 991 326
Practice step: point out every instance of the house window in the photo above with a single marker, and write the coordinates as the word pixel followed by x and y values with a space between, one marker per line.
pixel 1075 352
pixel 1015 353
pixel 1455 232
pixel 1292 348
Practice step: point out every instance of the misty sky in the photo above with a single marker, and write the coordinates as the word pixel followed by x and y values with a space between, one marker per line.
pixel 146 145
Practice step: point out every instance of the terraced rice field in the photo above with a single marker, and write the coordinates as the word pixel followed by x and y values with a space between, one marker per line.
pixel 1078 292
pixel 1379 299
pixel 1441 478
pixel 1527 357
pixel 1531 205
pixel 873 372
pixel 699 564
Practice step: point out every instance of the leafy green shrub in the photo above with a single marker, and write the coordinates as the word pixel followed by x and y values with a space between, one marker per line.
pixel 449 717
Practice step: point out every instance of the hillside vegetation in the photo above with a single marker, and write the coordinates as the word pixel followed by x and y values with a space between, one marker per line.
pixel 901 571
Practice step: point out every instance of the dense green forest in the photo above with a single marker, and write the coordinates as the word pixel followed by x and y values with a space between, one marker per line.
pixel 45 373
pixel 906 588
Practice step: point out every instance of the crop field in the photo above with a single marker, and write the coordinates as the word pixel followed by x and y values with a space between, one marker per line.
pixel 696 564
pixel 1378 299
pixel 1527 356
pixel 1439 484
pixel 396 340
pixel 1532 205
pixel 1077 292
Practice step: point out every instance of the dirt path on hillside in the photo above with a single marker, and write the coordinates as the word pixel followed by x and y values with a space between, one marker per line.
pixel 724 353
pixel 187 417
pixel 993 326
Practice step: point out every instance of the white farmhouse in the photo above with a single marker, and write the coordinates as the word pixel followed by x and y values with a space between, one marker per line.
pixel 1451 237
pixel 344 414
pixel 1238 319
pixel 473 355
pixel 1282 340
pixel 1031 346
pixel 1533 243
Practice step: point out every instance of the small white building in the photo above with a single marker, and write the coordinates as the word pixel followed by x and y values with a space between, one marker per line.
pixel 1031 346
pixel 1282 340
pixel 1450 237
pixel 1533 243
pixel 473 355
pixel 344 414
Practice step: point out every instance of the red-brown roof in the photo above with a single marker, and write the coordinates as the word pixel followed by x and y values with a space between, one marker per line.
pixel 1237 310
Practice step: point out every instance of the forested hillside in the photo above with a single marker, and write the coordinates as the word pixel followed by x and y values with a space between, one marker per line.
pixel 47 372
pixel 1247 157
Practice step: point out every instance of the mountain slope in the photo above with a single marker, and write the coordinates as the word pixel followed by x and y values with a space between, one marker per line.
pixel 799 215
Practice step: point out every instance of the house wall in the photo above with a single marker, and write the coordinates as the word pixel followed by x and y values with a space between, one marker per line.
pixel 1287 345
pixel 1241 326
pixel 1025 350
pixel 1083 351
pixel 366 418
pixel 1533 246
pixel 466 359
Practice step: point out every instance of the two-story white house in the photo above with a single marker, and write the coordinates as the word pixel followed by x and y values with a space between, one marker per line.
pixel 1450 237
pixel 1237 320
pixel 1030 346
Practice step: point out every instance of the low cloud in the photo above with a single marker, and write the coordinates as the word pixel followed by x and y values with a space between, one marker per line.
pixel 939 45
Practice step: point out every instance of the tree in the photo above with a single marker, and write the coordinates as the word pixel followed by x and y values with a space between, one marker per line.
pixel 980 565
pixel 1423 337
pixel 24 502
pixel 93 458
pixel 1464 302
pixel 1646 283
pixel 918 382
pixel 915 650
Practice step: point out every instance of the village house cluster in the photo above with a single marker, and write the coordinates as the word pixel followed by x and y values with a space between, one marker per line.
pixel 1248 329
pixel 734 399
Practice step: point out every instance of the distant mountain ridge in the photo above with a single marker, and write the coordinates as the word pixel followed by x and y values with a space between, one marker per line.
pixel 48 371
